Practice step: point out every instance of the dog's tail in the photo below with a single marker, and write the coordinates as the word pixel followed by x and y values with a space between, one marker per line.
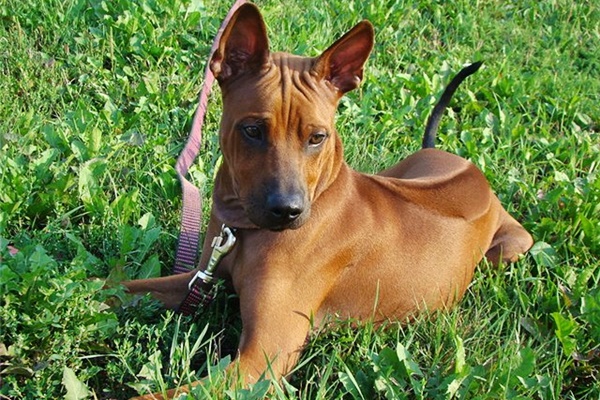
pixel 438 111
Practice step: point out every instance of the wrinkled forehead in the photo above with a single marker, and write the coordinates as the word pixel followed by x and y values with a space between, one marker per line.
pixel 287 85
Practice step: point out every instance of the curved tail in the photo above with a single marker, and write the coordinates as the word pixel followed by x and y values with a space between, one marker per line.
pixel 438 111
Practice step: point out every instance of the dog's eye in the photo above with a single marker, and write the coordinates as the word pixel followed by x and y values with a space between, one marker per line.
pixel 317 138
pixel 252 132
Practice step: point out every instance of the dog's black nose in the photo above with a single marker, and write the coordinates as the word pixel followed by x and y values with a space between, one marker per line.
pixel 284 209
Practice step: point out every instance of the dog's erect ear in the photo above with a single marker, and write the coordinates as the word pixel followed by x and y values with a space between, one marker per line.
pixel 243 45
pixel 342 63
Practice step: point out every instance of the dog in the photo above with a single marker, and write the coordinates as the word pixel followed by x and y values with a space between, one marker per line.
pixel 314 237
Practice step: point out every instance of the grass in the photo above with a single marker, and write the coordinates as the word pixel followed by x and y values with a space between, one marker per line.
pixel 97 99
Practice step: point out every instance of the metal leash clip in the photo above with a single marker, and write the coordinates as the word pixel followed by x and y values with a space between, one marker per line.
pixel 219 250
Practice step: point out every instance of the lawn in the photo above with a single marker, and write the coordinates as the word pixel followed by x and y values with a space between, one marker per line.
pixel 96 101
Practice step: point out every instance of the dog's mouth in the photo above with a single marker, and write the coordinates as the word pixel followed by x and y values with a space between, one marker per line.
pixel 295 224
pixel 278 220
pixel 274 223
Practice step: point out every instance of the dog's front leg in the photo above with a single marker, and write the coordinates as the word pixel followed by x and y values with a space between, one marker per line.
pixel 275 328
pixel 171 290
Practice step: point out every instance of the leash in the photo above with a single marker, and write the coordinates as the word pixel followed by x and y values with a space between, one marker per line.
pixel 201 288
pixel 191 211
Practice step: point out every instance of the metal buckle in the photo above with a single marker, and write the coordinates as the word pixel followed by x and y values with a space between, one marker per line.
pixel 219 250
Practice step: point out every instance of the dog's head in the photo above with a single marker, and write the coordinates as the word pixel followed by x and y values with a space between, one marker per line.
pixel 280 147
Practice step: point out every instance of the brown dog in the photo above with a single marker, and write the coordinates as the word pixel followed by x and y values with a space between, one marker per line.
pixel 314 237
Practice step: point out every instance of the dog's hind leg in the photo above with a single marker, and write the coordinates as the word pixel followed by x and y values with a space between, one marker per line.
pixel 509 242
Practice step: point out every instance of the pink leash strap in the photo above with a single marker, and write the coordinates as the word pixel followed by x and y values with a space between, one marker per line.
pixel 191 212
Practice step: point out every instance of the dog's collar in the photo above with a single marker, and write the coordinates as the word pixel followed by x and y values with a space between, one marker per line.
pixel 202 287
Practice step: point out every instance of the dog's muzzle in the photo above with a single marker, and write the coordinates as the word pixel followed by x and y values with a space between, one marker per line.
pixel 280 211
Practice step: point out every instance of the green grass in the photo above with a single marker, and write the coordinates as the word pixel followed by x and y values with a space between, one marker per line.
pixel 96 100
